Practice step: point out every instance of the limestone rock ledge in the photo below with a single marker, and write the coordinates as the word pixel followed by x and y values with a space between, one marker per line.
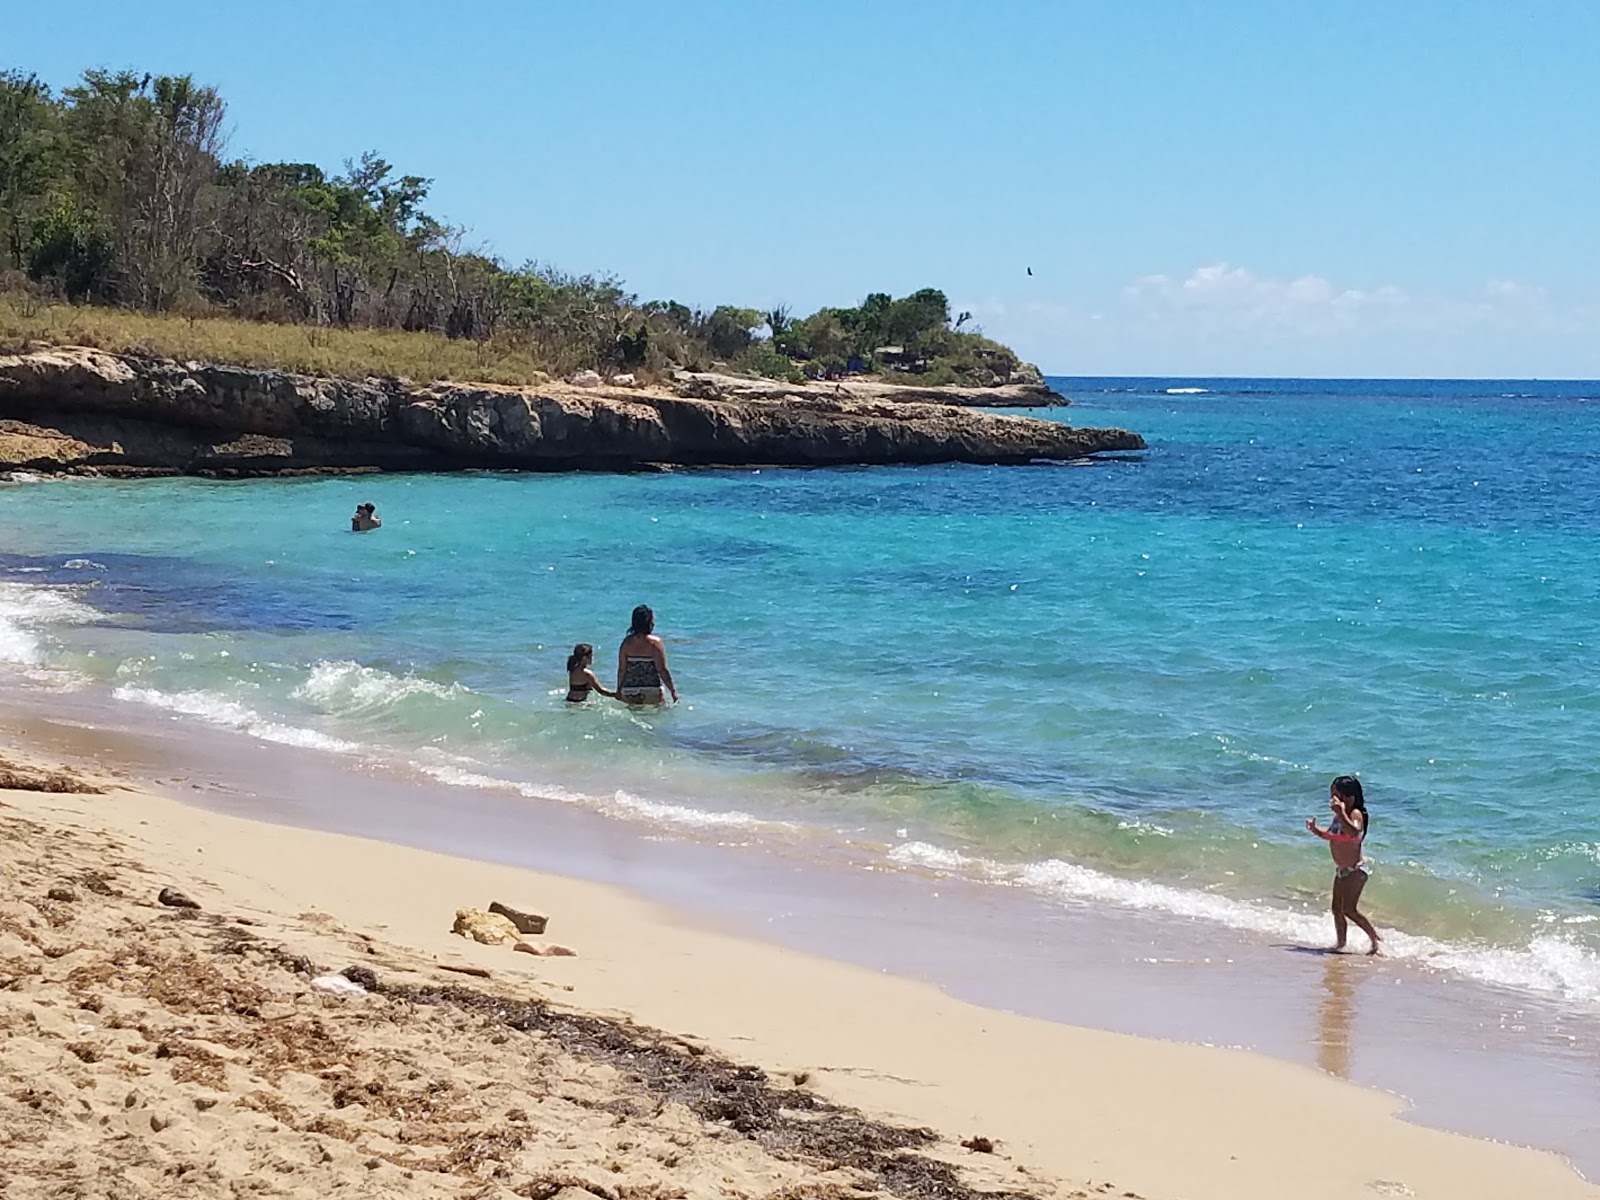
pixel 72 409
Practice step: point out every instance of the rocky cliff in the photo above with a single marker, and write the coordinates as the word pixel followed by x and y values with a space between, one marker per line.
pixel 74 409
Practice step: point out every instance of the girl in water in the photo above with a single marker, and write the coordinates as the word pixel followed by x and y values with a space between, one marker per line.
pixel 642 662
pixel 581 679
pixel 1345 835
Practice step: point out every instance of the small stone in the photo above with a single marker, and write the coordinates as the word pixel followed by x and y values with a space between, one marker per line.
pixel 979 1145
pixel 62 893
pixel 586 379
pixel 173 898
pixel 491 929
pixel 365 976
pixel 526 922
pixel 158 1122
pixel 205 1103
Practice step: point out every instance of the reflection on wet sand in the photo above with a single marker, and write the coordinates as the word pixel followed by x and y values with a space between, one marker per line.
pixel 1335 1014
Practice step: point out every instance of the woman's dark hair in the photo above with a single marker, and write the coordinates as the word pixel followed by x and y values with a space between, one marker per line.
pixel 644 621
pixel 1348 789
pixel 579 652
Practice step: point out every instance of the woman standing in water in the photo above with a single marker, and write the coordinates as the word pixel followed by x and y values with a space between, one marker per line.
pixel 1345 836
pixel 642 662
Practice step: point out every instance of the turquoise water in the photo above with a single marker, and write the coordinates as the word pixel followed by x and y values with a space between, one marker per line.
pixel 1126 682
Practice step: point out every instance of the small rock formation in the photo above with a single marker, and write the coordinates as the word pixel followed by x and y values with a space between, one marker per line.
pixel 85 411
pixel 173 898
pixel 586 379
pixel 526 922
pixel 491 929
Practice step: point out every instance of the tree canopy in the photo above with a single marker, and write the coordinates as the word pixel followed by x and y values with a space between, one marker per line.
pixel 119 190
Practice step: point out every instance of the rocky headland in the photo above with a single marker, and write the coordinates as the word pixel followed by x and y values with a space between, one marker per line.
pixel 84 411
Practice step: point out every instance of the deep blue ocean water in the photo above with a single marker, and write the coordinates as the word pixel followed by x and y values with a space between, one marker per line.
pixel 1123 682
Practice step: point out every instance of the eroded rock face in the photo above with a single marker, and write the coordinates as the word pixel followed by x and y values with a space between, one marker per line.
pixel 74 409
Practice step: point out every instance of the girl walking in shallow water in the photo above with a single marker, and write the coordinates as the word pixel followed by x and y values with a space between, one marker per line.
pixel 1345 836
pixel 580 675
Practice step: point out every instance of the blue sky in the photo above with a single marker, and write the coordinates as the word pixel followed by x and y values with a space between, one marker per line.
pixel 1244 188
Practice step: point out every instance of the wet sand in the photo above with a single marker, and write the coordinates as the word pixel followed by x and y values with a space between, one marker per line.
pixel 1069 1106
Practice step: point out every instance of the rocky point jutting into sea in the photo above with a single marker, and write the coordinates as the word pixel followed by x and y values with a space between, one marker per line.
pixel 80 410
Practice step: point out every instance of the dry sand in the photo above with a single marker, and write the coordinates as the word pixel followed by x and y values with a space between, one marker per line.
pixel 152 1051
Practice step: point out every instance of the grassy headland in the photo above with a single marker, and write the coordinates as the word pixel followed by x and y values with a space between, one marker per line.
pixel 125 224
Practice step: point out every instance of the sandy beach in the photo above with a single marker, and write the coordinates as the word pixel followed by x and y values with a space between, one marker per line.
pixel 153 1050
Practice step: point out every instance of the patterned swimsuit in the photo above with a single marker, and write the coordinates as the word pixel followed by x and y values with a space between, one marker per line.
pixel 1362 867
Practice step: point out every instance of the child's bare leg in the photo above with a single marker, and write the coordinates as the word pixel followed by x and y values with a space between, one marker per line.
pixel 1341 929
pixel 1357 882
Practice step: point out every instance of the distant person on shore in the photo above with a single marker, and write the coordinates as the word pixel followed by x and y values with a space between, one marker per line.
pixel 1346 835
pixel 581 679
pixel 366 518
pixel 642 662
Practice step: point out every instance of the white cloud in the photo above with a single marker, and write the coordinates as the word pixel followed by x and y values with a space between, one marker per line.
pixel 1221 297
pixel 1226 319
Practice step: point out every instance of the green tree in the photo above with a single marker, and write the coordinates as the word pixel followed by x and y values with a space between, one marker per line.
pixel 33 161
pixel 144 153
pixel 728 331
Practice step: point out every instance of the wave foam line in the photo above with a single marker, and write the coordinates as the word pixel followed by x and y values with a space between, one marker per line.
pixel 230 714
pixel 344 686
pixel 1549 963
pixel 26 610
pixel 619 804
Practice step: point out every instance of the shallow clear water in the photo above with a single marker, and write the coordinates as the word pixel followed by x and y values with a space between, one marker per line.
pixel 1124 682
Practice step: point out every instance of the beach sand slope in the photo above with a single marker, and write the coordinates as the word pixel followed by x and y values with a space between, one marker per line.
pixel 149 1050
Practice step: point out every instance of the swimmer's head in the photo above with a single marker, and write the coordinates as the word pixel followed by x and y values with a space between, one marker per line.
pixel 644 622
pixel 582 655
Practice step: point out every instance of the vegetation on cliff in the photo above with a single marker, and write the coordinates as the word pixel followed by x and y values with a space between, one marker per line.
pixel 118 194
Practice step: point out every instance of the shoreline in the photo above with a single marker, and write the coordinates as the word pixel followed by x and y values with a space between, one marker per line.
pixel 910 1048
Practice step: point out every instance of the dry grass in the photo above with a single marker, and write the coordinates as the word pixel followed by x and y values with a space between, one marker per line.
pixel 352 353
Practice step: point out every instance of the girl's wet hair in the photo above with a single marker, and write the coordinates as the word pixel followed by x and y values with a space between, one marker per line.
pixel 579 652
pixel 644 621
pixel 1348 789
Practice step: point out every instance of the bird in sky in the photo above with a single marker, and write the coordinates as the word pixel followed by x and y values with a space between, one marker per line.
pixel 1030 270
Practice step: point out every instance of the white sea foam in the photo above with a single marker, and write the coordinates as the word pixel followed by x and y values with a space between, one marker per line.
pixel 1549 963
pixel 683 814
pixel 230 714
pixel 344 686
pixel 619 804
pixel 1188 391
pixel 26 611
